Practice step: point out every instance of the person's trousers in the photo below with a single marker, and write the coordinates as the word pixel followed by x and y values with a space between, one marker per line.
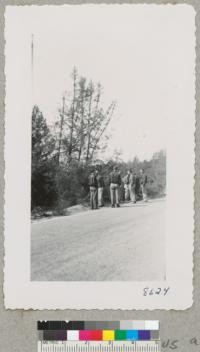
pixel 127 192
pixel 100 196
pixel 132 194
pixel 144 192
pixel 93 198
pixel 114 193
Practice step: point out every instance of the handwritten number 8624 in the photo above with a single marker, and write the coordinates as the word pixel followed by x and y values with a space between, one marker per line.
pixel 148 291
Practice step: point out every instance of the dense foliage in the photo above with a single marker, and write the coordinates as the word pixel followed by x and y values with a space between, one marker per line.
pixel 63 154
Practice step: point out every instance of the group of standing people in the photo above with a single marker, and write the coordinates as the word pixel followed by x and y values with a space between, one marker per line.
pixel 133 183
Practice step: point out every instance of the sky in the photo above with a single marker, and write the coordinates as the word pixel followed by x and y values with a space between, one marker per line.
pixel 141 54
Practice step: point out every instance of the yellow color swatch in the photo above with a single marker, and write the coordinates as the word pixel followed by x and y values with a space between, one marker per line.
pixel 108 335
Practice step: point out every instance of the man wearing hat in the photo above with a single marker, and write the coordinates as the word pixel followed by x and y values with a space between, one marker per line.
pixel 93 190
pixel 132 186
pixel 127 180
pixel 115 182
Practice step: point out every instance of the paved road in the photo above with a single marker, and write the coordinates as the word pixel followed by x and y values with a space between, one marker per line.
pixel 108 244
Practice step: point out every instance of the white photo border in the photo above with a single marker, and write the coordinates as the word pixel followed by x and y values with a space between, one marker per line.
pixel 19 291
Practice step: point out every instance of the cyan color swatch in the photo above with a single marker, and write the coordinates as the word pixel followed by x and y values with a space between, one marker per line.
pixel 132 335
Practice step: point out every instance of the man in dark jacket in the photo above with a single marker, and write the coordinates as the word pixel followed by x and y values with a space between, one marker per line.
pixel 143 184
pixel 137 187
pixel 115 182
pixel 100 185
pixel 93 190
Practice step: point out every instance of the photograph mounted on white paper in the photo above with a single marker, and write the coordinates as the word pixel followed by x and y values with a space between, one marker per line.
pixel 99 156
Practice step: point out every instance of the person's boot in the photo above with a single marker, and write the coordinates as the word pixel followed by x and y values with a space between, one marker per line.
pixel 118 206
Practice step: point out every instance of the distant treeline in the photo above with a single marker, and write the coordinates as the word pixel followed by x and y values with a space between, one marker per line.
pixel 63 154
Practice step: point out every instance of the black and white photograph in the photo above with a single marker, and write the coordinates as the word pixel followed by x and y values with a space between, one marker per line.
pixel 95 147
pixel 109 103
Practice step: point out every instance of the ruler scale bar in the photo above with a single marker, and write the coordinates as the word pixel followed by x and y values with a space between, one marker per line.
pixel 66 346
pixel 99 336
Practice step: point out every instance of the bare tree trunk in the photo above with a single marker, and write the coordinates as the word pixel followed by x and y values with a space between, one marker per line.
pixel 100 133
pixel 98 98
pixel 61 130
pixel 81 129
pixel 83 97
pixel 72 117
pixel 89 123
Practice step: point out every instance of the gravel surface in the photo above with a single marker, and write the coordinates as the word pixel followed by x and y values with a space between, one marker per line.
pixel 121 244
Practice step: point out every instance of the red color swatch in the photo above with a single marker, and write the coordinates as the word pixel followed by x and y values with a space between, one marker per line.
pixel 93 335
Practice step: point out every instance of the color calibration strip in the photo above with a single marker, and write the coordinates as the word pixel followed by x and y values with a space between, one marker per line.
pixel 98 330
pixel 99 336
